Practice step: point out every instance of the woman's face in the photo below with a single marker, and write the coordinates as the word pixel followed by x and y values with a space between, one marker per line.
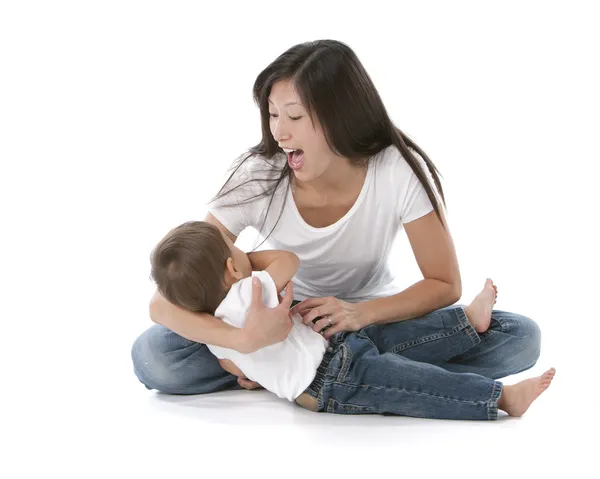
pixel 292 128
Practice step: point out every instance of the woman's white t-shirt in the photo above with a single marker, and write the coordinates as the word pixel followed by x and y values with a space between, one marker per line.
pixel 348 259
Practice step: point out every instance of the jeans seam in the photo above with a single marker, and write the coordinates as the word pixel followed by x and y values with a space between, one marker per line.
pixel 345 364
pixel 469 329
pixel 331 403
pixel 486 403
pixel 346 360
pixel 492 403
pixel 475 339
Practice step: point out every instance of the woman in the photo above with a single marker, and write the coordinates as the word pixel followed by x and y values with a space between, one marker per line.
pixel 333 181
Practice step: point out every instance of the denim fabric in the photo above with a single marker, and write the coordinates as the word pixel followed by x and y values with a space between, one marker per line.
pixel 381 370
pixel 167 362
pixel 409 367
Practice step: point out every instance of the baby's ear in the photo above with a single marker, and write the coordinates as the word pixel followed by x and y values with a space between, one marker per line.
pixel 231 271
pixel 228 268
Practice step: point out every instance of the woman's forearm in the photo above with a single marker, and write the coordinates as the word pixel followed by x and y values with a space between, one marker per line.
pixel 419 299
pixel 197 327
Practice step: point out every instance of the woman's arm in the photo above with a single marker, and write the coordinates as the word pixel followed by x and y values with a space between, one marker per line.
pixel 264 326
pixel 197 327
pixel 434 251
pixel 435 254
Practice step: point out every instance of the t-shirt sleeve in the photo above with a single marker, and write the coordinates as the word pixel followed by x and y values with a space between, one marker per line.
pixel 230 208
pixel 236 304
pixel 234 308
pixel 414 202
pixel 245 196
pixel 269 290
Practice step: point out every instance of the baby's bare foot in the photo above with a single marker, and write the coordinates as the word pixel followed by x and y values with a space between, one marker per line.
pixel 479 312
pixel 516 399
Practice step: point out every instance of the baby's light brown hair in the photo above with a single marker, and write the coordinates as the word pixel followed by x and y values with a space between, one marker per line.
pixel 188 266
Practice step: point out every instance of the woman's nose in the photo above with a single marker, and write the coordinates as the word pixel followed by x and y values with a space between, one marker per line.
pixel 280 132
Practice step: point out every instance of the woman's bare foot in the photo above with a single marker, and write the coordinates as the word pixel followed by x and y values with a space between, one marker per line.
pixel 479 312
pixel 516 399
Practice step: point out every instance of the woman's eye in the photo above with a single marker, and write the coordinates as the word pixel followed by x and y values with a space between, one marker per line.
pixel 293 118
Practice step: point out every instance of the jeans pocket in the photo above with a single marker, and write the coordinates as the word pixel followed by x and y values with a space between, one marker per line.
pixel 336 407
pixel 339 364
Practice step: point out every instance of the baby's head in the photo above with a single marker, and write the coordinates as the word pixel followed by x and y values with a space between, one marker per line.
pixel 195 265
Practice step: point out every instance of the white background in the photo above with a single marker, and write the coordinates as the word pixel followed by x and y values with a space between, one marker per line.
pixel 118 120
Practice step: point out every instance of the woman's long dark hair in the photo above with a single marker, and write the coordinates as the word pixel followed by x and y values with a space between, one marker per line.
pixel 334 88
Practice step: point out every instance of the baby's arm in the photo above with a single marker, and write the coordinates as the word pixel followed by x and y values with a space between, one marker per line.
pixel 231 368
pixel 243 381
pixel 281 265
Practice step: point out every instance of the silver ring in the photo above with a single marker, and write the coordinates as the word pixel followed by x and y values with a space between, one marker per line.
pixel 329 320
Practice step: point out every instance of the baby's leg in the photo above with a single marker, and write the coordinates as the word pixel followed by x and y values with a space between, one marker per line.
pixel 368 382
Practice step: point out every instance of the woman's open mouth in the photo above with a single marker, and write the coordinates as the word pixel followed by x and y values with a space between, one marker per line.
pixel 295 158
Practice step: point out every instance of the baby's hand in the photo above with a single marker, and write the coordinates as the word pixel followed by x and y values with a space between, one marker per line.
pixel 231 368
pixel 243 381
pixel 247 384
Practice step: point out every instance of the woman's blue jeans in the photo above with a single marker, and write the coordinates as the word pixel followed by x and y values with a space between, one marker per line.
pixel 434 366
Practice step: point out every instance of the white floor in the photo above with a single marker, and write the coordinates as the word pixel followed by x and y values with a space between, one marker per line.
pixel 83 427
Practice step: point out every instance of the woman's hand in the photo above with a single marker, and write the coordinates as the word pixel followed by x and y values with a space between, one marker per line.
pixel 265 326
pixel 337 315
